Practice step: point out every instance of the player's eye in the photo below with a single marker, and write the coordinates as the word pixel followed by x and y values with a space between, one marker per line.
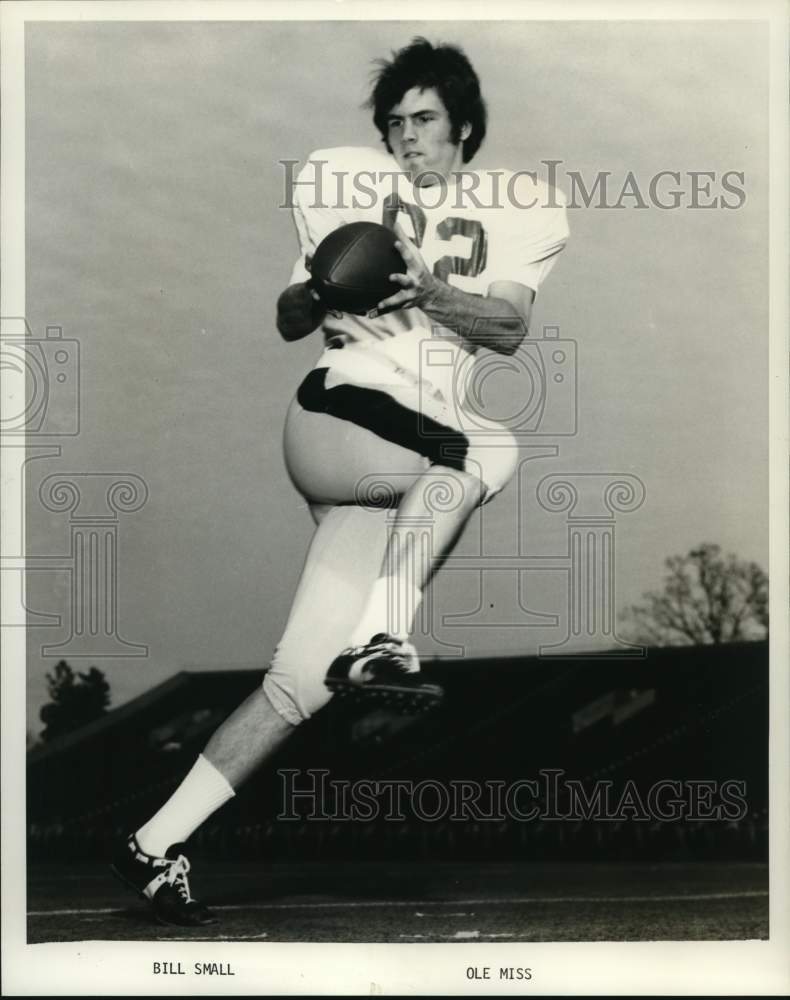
pixel 394 123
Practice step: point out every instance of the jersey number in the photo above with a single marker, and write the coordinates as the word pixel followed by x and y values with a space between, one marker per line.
pixel 469 266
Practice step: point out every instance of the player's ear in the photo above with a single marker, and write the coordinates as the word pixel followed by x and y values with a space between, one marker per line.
pixel 466 131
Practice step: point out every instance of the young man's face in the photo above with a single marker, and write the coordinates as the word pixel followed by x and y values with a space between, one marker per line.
pixel 419 132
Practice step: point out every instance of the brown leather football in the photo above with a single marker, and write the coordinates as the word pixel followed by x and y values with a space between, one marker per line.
pixel 352 265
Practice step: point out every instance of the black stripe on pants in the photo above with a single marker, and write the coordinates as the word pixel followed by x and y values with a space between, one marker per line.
pixel 377 411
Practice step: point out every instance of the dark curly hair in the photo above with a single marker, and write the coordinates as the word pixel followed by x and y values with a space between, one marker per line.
pixel 444 68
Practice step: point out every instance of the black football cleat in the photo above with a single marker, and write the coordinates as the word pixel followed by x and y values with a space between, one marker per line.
pixel 386 671
pixel 163 883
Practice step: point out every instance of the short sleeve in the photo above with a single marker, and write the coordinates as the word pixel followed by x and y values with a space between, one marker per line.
pixel 533 232
pixel 317 207
pixel 300 272
pixel 312 216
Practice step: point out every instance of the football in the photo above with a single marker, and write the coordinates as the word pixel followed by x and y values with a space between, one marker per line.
pixel 352 265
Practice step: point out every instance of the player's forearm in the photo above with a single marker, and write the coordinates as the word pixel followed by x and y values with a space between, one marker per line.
pixel 483 321
pixel 298 313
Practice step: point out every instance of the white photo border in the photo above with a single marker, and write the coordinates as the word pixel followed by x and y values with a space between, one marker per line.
pixel 108 968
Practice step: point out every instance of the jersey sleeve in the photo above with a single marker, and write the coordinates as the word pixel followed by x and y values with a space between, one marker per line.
pixel 323 196
pixel 300 272
pixel 313 215
pixel 533 233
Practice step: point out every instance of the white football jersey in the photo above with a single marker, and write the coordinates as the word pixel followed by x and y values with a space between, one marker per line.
pixel 486 226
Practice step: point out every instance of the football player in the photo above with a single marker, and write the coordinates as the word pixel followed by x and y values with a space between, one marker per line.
pixel 378 438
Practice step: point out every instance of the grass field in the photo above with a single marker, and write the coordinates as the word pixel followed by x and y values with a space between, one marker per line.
pixel 405 902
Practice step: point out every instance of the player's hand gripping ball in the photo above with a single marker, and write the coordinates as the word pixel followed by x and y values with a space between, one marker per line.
pixel 351 267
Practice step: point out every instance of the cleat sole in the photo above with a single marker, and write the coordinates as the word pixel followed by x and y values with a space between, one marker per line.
pixel 421 699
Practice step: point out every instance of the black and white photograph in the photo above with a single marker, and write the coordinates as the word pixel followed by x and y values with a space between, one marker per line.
pixel 394 444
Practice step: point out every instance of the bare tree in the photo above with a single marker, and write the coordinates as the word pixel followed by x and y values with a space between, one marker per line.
pixel 707 598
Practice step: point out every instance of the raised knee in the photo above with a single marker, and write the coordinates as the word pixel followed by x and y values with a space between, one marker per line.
pixel 495 461
pixel 448 488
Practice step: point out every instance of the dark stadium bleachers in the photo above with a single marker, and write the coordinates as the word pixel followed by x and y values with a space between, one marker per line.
pixel 681 714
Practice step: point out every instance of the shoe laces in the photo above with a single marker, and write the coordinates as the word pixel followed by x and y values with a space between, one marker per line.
pixel 402 654
pixel 176 875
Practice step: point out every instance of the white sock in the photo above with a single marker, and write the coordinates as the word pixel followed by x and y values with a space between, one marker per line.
pixel 200 794
pixel 391 607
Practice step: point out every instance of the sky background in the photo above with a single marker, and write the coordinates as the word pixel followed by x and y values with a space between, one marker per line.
pixel 155 238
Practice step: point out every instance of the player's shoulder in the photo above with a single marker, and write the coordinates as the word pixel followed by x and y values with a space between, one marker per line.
pixel 352 158
pixel 534 209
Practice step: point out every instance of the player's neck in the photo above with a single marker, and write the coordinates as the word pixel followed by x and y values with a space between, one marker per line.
pixel 447 179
